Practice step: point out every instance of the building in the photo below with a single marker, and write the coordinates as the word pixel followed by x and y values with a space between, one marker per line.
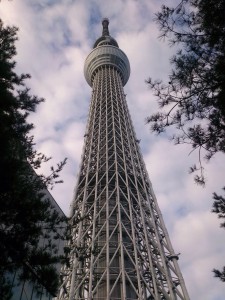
pixel 120 248
pixel 26 290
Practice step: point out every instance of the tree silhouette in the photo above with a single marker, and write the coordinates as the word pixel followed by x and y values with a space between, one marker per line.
pixel 193 100
pixel 26 215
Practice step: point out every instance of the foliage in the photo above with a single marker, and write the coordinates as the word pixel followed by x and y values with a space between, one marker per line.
pixel 26 215
pixel 193 101
pixel 219 208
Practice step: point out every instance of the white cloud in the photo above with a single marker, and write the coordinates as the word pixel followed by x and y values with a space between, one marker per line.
pixel 198 252
pixel 54 40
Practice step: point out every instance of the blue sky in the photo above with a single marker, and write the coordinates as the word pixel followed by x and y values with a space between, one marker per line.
pixel 55 37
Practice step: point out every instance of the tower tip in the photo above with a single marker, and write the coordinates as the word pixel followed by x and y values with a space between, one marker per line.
pixel 105 24
pixel 105 20
pixel 105 38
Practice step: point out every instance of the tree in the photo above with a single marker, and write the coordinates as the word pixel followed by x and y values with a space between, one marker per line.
pixel 219 208
pixel 193 100
pixel 26 215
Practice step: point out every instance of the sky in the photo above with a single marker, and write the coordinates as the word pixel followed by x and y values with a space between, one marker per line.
pixel 55 37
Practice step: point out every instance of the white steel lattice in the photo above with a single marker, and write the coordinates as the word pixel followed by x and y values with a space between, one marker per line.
pixel 120 248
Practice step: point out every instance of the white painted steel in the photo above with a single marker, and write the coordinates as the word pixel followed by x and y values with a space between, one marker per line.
pixel 119 247
pixel 106 55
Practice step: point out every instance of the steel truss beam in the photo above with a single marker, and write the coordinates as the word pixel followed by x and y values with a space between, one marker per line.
pixel 119 246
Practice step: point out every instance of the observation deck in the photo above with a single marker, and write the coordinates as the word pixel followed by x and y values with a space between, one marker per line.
pixel 106 52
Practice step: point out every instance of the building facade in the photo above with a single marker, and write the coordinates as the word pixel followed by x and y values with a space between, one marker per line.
pixel 27 290
pixel 119 247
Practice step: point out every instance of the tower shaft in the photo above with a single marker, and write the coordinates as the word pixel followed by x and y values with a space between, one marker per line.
pixel 120 248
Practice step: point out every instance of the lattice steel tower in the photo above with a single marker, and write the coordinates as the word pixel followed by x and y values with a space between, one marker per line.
pixel 120 248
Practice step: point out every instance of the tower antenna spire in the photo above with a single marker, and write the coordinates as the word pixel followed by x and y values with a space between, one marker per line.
pixel 105 27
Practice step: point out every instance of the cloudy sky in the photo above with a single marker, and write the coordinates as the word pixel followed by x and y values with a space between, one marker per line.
pixel 54 39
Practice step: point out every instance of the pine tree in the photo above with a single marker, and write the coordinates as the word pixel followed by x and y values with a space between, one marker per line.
pixel 26 215
pixel 193 100
pixel 219 209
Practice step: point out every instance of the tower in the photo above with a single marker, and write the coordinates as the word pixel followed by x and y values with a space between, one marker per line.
pixel 119 247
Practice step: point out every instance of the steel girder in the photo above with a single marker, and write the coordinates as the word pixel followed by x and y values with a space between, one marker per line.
pixel 120 248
